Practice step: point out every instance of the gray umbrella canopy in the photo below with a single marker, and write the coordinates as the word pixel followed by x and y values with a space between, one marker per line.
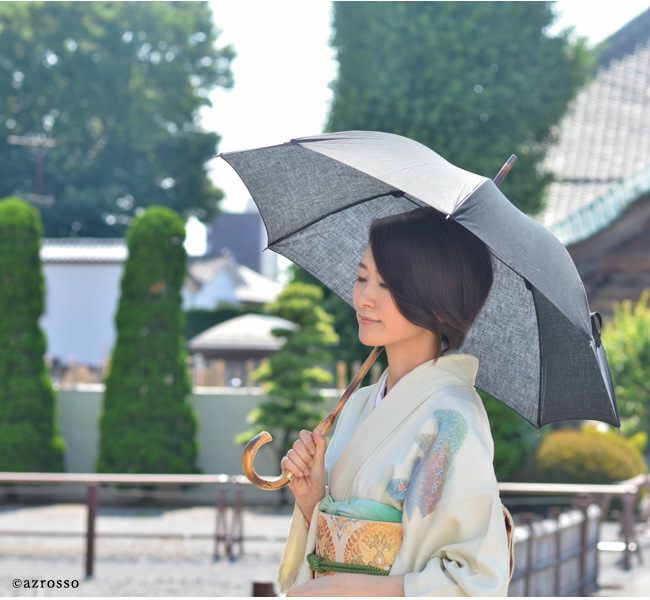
pixel 538 344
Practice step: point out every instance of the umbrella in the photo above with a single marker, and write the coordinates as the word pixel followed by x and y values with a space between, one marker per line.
pixel 539 345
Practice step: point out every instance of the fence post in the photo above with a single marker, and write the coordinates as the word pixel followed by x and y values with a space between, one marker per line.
pixel 237 523
pixel 91 503
pixel 628 529
pixel 554 513
pixel 220 529
pixel 341 375
pixel 582 503
pixel 263 588
pixel 528 518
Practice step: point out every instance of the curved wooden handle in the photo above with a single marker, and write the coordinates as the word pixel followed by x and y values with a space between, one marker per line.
pixel 264 437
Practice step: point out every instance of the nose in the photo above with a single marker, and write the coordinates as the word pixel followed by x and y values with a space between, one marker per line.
pixel 366 295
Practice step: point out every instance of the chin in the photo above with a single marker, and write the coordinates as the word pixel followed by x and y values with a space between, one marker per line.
pixel 368 340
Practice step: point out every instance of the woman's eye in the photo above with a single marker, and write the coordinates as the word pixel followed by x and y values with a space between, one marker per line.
pixel 363 279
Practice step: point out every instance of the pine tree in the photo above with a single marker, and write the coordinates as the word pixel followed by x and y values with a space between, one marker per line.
pixel 147 426
pixel 290 375
pixel 29 436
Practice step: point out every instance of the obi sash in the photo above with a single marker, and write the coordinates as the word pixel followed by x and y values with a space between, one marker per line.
pixel 364 536
pixel 356 536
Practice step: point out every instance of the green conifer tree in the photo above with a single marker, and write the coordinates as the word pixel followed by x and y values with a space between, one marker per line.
pixel 147 426
pixel 29 436
pixel 290 376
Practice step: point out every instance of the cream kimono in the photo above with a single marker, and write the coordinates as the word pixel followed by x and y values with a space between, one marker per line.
pixel 427 450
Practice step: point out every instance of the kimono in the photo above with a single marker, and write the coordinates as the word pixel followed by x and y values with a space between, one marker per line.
pixel 427 450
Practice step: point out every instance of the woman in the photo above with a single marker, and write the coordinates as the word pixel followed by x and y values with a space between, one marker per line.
pixel 411 455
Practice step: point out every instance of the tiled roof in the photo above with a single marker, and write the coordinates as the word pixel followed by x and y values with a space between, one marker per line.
pixel 246 332
pixel 250 286
pixel 604 139
pixel 204 269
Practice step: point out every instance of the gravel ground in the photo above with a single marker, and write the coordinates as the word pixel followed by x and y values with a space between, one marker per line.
pixel 183 567
pixel 136 566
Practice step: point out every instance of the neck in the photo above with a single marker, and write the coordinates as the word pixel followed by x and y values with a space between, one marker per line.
pixel 404 356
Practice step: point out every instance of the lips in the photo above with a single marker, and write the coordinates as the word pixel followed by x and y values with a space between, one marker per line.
pixel 366 321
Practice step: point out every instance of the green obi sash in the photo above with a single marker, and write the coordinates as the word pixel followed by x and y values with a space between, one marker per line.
pixel 361 508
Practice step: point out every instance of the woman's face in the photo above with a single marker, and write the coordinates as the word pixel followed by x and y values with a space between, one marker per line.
pixel 373 300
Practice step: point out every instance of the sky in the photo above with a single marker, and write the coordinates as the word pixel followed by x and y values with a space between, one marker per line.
pixel 284 66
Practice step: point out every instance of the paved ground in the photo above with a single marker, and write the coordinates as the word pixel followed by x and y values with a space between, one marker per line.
pixel 182 567
pixel 613 579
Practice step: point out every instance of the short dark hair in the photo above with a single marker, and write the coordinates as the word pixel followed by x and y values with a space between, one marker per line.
pixel 439 273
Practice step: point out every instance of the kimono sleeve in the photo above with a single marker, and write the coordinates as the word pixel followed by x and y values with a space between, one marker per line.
pixel 455 541
pixel 296 548
pixel 468 549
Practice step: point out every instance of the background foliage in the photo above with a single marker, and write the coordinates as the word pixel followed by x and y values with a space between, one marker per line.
pixel 627 339
pixel 290 376
pixel 147 425
pixel 118 86
pixel 474 81
pixel 29 436
pixel 587 456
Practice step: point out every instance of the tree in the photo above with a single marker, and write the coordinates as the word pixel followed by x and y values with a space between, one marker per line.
pixel 147 426
pixel 289 375
pixel 117 86
pixel 627 340
pixel 474 81
pixel 349 348
pixel 29 437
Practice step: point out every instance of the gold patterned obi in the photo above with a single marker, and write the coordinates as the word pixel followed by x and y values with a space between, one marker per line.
pixel 351 545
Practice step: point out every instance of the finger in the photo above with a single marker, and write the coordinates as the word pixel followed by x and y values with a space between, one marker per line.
pixel 295 460
pixel 308 441
pixel 287 466
pixel 321 442
pixel 300 449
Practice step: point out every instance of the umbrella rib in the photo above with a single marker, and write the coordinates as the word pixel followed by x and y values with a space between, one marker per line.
pixel 395 193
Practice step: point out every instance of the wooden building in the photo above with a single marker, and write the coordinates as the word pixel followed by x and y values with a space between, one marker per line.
pixel 599 207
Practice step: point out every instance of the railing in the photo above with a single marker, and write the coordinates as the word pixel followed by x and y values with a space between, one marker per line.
pixel 230 532
pixel 627 490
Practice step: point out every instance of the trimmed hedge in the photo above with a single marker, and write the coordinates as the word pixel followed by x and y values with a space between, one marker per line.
pixel 29 437
pixel 147 425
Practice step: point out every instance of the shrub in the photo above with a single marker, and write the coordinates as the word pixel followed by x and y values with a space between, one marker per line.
pixel 587 456
pixel 147 425
pixel 29 437
pixel 627 339
pixel 515 440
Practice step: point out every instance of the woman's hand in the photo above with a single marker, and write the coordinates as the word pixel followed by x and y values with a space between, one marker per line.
pixel 306 460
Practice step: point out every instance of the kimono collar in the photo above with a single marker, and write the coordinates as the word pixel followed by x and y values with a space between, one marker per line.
pixel 462 366
pixel 364 430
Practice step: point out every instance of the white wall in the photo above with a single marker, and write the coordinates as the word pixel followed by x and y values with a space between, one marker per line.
pixel 80 305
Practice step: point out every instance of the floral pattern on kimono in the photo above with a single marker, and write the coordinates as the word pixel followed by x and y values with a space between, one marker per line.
pixel 424 489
